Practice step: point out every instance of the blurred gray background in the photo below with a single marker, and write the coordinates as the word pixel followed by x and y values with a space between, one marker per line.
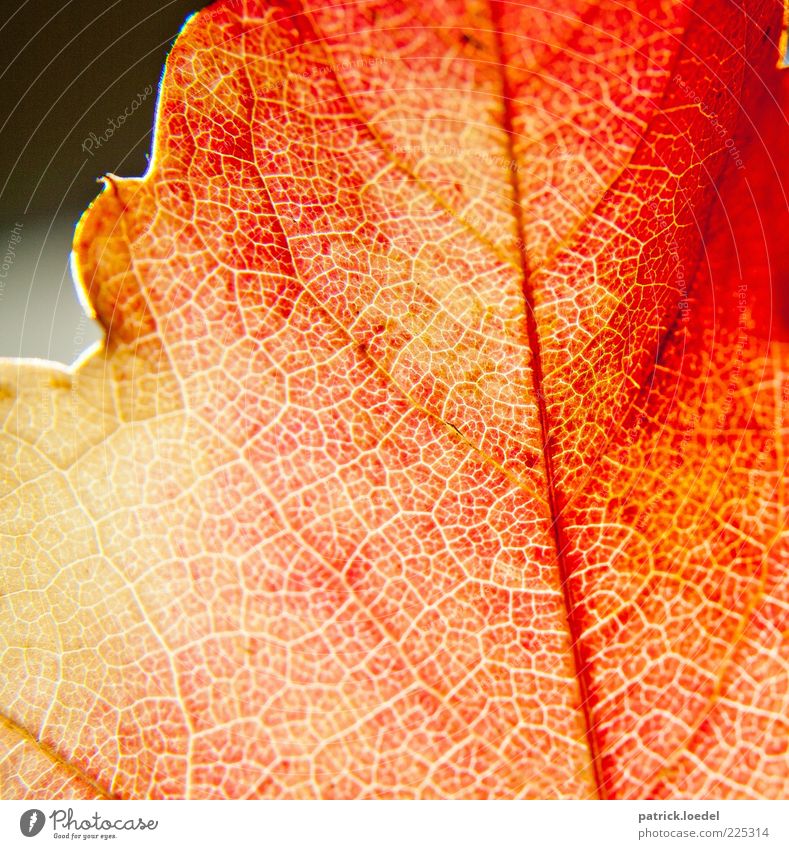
pixel 67 69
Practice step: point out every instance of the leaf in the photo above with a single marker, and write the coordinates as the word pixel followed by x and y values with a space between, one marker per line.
pixel 436 445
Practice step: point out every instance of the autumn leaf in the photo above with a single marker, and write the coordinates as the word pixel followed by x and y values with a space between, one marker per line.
pixel 436 446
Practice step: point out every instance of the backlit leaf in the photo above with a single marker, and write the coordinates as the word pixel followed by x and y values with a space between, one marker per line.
pixel 436 447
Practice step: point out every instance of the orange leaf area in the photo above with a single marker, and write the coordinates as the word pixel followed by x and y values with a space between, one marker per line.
pixel 436 448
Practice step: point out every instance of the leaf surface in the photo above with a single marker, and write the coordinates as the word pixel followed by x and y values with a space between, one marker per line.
pixel 436 447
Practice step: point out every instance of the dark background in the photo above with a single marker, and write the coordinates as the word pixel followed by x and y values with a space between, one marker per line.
pixel 65 69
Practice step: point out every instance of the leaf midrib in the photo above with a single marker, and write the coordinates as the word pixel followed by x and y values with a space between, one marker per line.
pixel 534 343
pixel 559 537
